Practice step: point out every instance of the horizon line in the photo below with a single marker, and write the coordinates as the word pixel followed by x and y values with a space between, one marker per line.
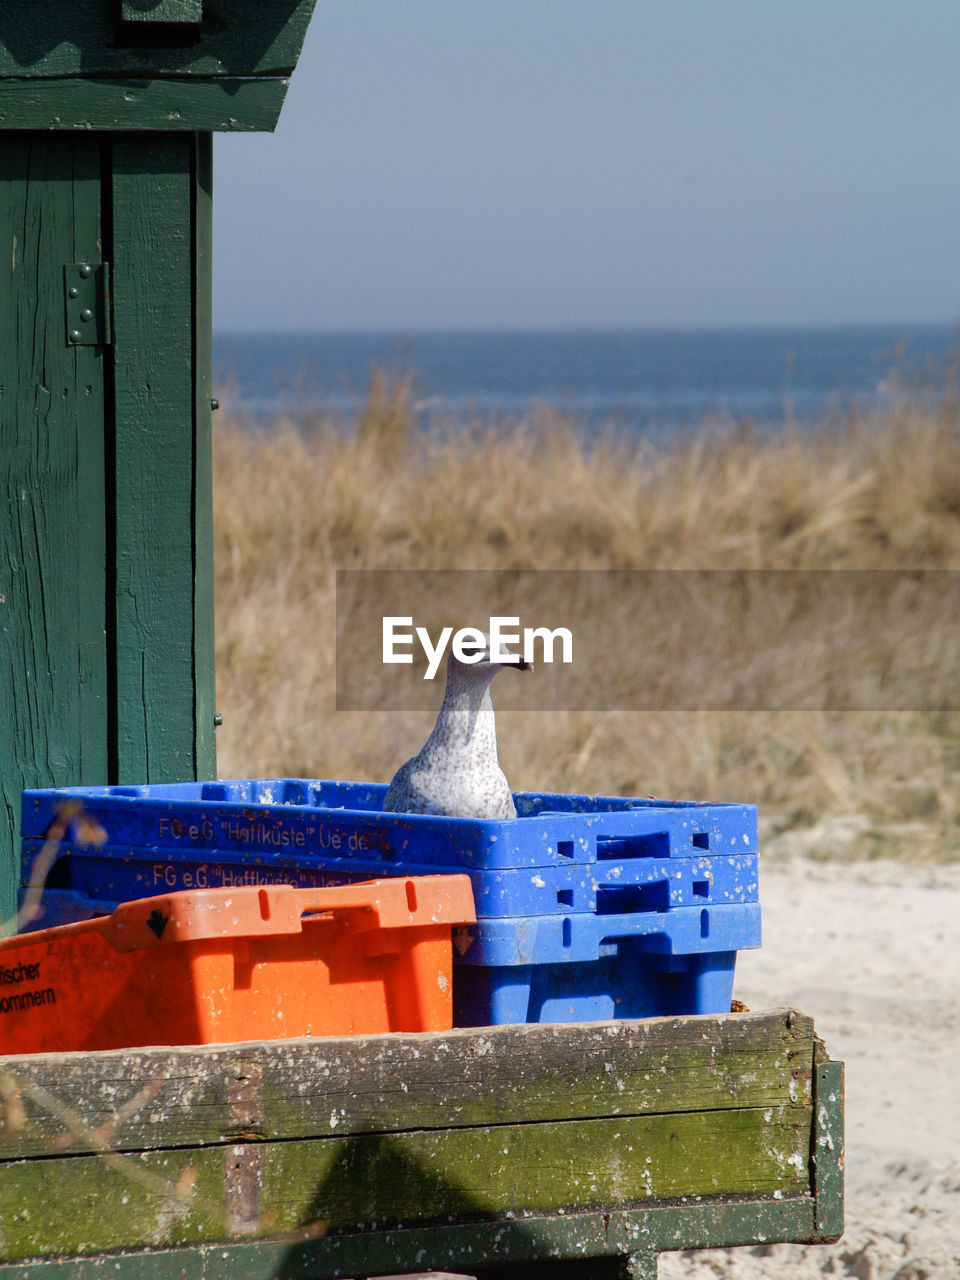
pixel 572 330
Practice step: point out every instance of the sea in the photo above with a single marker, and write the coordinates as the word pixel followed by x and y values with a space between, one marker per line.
pixel 636 381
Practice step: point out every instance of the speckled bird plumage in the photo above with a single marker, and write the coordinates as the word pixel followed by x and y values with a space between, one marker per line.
pixel 456 773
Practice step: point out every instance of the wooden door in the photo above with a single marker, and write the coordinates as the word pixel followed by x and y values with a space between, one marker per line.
pixel 54 703
pixel 106 607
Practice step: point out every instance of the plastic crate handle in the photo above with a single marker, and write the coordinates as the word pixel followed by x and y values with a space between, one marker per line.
pixel 390 903
pixel 192 915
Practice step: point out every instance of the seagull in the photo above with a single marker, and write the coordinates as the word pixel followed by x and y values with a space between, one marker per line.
pixel 456 773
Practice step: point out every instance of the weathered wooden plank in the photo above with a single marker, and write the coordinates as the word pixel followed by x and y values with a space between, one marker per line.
pixel 111 1203
pixel 828 1153
pixel 52 553
pixel 245 38
pixel 374 1182
pixel 467 1196
pixel 463 1247
pixel 224 104
pixel 155 457
pixel 89 370
pixel 139 1099
pixel 381 1181
pixel 203 602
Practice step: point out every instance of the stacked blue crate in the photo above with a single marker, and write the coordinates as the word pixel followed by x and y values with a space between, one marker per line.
pixel 587 906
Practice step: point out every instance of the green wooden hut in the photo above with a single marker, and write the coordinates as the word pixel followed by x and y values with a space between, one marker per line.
pixel 107 113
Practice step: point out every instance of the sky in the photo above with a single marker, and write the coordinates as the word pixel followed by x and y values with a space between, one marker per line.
pixel 478 164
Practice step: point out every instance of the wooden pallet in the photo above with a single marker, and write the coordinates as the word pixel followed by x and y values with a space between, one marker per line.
pixel 588 1147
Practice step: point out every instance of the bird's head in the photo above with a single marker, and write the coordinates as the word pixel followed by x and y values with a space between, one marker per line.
pixel 485 662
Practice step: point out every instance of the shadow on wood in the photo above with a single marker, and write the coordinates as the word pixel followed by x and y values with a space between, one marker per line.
pixel 453 1151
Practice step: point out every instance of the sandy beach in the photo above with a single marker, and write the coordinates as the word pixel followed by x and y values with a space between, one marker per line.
pixel 871 950
pixel 860 812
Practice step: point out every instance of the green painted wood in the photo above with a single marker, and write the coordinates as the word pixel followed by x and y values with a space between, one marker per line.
pixel 47 39
pixel 106 621
pixel 99 1205
pixel 225 104
pixel 383 1181
pixel 681 1136
pixel 90 363
pixel 466 1248
pixel 463 1247
pixel 106 608
pixel 829 1149
pixel 157 613
pixel 203 597
pixel 53 682
pixel 79 66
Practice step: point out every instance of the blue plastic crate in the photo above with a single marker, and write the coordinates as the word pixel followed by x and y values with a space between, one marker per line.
pixel 114 874
pixel 563 854
pixel 582 968
pixel 620 986
pixel 573 968
pixel 275 815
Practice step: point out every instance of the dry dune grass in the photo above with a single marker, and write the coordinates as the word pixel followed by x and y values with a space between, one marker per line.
pixel 293 505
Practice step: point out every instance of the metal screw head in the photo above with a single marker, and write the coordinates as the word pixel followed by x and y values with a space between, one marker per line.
pixel 75 335
pixel 217 719
pixel 86 271
pixel 73 291
pixel 86 314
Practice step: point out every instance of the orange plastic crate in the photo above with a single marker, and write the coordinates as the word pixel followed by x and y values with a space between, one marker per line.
pixel 221 965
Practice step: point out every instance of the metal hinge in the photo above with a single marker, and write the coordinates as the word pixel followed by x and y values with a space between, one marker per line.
pixel 86 295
